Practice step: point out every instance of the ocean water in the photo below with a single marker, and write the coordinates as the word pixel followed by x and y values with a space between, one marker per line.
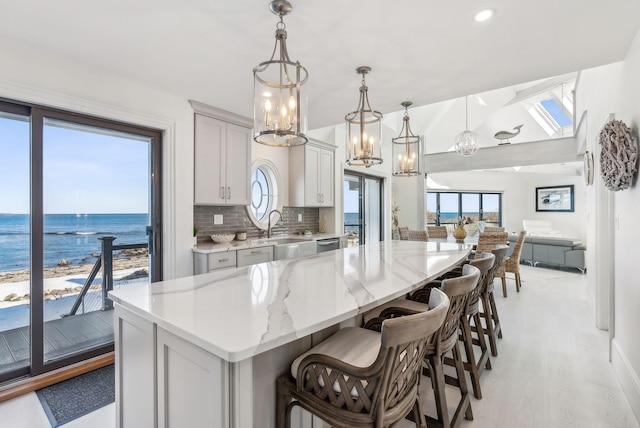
pixel 73 237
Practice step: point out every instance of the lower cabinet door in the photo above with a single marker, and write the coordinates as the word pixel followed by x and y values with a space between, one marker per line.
pixel 135 374
pixel 252 256
pixel 193 384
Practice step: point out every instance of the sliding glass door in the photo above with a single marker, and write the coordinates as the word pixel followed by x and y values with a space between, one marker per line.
pixel 362 208
pixel 15 248
pixel 70 184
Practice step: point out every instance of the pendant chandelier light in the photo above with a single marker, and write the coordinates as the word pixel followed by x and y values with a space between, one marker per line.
pixel 467 142
pixel 364 130
pixel 406 148
pixel 279 108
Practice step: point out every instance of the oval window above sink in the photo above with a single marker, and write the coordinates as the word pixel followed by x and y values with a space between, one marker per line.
pixel 265 183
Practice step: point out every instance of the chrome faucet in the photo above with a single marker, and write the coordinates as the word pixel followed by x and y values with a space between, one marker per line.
pixel 269 217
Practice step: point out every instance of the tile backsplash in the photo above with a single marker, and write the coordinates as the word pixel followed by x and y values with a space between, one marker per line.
pixel 235 219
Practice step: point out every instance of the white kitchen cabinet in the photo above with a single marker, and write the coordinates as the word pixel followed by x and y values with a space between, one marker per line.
pixel 203 262
pixel 311 175
pixel 222 159
pixel 188 377
pixel 252 256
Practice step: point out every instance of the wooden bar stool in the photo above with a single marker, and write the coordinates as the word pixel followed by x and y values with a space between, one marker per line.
pixel 445 340
pixel 361 378
pixel 484 262
pixel 489 312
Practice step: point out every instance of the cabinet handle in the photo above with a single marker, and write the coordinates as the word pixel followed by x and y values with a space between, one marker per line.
pixel 256 252
pixel 223 260
pixel 222 193
pixel 228 192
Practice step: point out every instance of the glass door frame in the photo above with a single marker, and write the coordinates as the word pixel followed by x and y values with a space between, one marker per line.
pixel 362 202
pixel 37 115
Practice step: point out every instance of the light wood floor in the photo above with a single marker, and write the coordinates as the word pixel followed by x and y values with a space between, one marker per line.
pixel 552 370
pixel 552 367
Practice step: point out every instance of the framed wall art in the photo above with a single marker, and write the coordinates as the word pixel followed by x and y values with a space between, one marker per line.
pixel 554 199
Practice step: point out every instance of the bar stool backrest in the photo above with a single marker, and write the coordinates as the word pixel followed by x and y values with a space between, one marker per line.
pixel 484 262
pixel 500 252
pixel 457 289
pixel 404 341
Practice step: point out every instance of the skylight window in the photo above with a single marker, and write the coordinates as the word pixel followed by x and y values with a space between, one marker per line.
pixel 556 112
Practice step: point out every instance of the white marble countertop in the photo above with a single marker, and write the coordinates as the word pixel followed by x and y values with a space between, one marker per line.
pixel 238 313
pixel 212 247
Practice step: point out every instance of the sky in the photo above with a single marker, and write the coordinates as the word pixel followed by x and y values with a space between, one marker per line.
pixel 83 172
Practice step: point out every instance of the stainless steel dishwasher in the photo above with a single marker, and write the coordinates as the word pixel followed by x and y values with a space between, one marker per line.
pixel 328 244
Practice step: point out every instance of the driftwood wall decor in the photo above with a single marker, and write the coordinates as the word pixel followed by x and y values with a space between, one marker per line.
pixel 618 155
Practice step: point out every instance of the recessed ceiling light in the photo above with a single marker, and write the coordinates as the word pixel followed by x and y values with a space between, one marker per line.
pixel 484 15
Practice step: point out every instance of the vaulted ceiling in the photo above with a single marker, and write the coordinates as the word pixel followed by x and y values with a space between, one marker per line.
pixel 420 50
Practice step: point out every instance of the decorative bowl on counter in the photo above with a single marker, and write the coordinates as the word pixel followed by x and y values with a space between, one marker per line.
pixel 223 238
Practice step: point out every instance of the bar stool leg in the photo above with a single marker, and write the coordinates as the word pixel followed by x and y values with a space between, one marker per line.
pixel 470 364
pixel 438 383
pixel 488 321
pixel 494 316
pixel 484 360
pixel 465 400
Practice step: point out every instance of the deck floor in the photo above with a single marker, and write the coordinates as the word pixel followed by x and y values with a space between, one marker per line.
pixel 63 336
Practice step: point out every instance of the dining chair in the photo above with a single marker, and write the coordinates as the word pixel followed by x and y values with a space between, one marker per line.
pixel 417 235
pixel 494 229
pixel 362 378
pixel 487 241
pixel 512 265
pixel 437 231
pixel 403 232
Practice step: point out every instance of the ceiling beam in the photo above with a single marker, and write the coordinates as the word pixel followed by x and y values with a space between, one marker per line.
pixel 508 155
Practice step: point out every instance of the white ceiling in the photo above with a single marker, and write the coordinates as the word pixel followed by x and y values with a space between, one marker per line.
pixel 419 50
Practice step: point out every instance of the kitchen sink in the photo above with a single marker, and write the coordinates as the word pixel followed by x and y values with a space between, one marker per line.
pixel 291 248
pixel 280 241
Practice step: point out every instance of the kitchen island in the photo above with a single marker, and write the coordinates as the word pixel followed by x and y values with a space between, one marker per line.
pixel 206 350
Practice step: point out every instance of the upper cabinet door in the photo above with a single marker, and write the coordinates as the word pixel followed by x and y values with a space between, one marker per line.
pixel 237 164
pixel 311 170
pixel 209 158
pixel 326 178
pixel 312 197
pixel 222 158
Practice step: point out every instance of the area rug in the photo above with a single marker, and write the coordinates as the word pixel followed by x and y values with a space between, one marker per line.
pixel 75 397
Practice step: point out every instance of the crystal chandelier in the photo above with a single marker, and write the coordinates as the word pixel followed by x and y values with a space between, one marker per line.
pixel 467 142
pixel 364 130
pixel 279 109
pixel 406 148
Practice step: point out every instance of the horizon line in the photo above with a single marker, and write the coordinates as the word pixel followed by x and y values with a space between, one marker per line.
pixel 72 213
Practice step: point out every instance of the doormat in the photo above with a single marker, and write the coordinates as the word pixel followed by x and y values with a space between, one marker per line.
pixel 75 397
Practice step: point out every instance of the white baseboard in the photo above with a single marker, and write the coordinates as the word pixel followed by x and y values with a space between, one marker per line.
pixel 629 379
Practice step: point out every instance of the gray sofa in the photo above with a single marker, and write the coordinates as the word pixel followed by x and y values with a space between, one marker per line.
pixel 552 251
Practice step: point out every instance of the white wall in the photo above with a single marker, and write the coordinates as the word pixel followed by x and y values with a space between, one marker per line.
pixel 598 93
pixel 43 78
pixel 626 344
